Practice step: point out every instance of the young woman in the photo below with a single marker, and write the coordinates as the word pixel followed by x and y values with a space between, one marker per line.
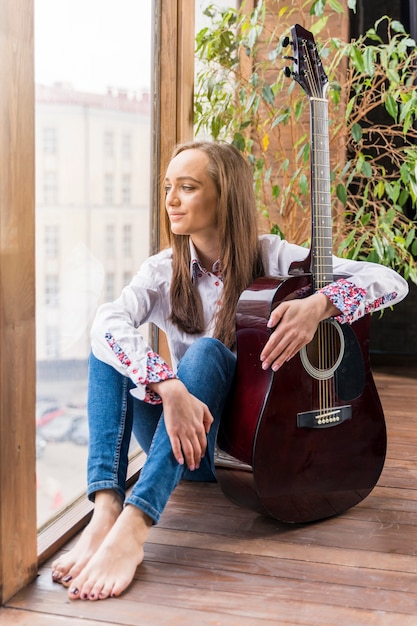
pixel 190 291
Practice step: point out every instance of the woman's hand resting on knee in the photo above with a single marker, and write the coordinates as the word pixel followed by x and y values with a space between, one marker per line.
pixel 187 421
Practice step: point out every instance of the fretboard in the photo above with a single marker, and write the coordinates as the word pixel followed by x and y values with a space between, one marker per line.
pixel 321 218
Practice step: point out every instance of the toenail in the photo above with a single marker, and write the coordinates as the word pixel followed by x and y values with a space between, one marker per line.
pixel 67 579
pixel 92 595
pixel 74 591
pixel 84 596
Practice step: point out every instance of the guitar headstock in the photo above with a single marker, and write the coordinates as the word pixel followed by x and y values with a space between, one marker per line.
pixel 307 67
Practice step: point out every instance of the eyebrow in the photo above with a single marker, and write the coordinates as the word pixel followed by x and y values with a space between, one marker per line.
pixel 179 178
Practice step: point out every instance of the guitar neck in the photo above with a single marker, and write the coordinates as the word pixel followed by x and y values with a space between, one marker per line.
pixel 321 239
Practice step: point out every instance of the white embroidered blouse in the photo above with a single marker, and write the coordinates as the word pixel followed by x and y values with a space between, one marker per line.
pixel 115 334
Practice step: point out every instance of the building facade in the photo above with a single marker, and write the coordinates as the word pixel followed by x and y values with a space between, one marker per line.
pixel 93 166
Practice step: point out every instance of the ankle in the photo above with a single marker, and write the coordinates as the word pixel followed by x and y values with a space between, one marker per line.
pixel 107 502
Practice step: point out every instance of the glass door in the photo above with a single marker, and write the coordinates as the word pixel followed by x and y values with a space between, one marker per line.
pixel 93 167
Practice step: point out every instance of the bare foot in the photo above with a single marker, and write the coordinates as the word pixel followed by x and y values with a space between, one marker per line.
pixel 107 509
pixel 111 570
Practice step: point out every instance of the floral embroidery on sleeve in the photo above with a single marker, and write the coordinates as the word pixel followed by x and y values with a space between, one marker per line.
pixel 123 358
pixel 346 297
pixel 156 370
pixel 379 302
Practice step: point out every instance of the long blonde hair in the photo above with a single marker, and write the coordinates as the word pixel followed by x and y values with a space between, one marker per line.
pixel 240 254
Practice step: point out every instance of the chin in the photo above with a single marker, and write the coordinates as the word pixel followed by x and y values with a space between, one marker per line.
pixel 179 231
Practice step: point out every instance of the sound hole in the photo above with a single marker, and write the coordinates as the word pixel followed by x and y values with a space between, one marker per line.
pixel 323 355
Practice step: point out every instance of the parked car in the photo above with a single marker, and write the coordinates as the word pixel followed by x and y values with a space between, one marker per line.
pixel 57 429
pixel 79 432
pixel 46 411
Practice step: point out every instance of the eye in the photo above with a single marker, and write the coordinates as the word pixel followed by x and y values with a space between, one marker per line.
pixel 188 188
pixel 167 189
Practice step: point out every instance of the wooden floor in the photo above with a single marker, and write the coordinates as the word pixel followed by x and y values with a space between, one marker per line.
pixel 209 563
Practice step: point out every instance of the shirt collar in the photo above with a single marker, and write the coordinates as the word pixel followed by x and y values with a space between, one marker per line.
pixel 196 267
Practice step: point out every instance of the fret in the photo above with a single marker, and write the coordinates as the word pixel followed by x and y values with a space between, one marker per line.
pixel 322 236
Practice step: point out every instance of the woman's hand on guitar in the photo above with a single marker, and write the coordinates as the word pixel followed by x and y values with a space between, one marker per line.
pixel 294 323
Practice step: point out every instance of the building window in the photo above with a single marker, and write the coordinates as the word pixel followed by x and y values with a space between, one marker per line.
pixel 126 146
pixel 110 240
pixel 50 188
pixel 51 290
pixel 51 241
pixel 126 189
pixel 127 240
pixel 52 342
pixel 127 277
pixel 108 145
pixel 108 189
pixel 50 140
pixel 109 287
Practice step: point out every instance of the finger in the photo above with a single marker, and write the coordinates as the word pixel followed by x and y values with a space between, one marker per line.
pixel 192 453
pixel 202 439
pixel 278 355
pixel 276 315
pixel 208 419
pixel 274 347
pixel 177 450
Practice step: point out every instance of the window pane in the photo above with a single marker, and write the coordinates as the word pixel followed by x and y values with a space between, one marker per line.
pixel 93 69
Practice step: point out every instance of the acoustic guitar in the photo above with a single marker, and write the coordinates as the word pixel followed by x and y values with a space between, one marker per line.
pixel 309 441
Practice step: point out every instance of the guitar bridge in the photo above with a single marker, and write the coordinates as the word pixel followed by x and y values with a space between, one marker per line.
pixel 324 418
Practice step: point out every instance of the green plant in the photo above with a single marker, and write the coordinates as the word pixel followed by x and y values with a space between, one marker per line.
pixel 243 96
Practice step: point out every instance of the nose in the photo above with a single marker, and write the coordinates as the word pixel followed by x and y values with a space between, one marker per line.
pixel 171 197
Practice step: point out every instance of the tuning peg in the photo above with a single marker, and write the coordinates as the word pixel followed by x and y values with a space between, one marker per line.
pixel 286 42
pixel 290 58
pixel 288 73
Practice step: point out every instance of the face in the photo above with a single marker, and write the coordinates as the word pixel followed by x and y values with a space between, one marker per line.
pixel 191 196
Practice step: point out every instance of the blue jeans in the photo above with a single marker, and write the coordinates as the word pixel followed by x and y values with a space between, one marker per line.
pixel 207 370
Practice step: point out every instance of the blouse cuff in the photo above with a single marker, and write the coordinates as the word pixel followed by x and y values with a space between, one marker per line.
pixel 345 296
pixel 150 369
pixel 157 370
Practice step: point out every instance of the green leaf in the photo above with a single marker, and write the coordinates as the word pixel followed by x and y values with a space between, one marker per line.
pixel 336 6
pixel 268 94
pixel 341 193
pixel 346 242
pixel 357 59
pixel 304 186
pixel 366 169
pixel 275 191
pixel 317 7
pixel 356 132
pixel 358 245
pixel 378 247
pixel 368 61
pixel 411 235
pixel 391 106
pixel 397 26
pixel 239 142
pixel 379 189
pixel 366 218
pixel 318 26
pixel 275 230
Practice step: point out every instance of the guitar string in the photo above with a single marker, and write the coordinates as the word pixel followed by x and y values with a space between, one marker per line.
pixel 325 331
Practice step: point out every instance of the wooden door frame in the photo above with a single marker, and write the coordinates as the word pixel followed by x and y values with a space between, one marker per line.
pixel 172 122
pixel 18 559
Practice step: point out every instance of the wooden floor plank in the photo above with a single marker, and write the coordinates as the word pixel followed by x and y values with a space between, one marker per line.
pixel 211 563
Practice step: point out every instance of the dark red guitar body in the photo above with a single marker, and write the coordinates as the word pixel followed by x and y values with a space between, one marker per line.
pixel 299 473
